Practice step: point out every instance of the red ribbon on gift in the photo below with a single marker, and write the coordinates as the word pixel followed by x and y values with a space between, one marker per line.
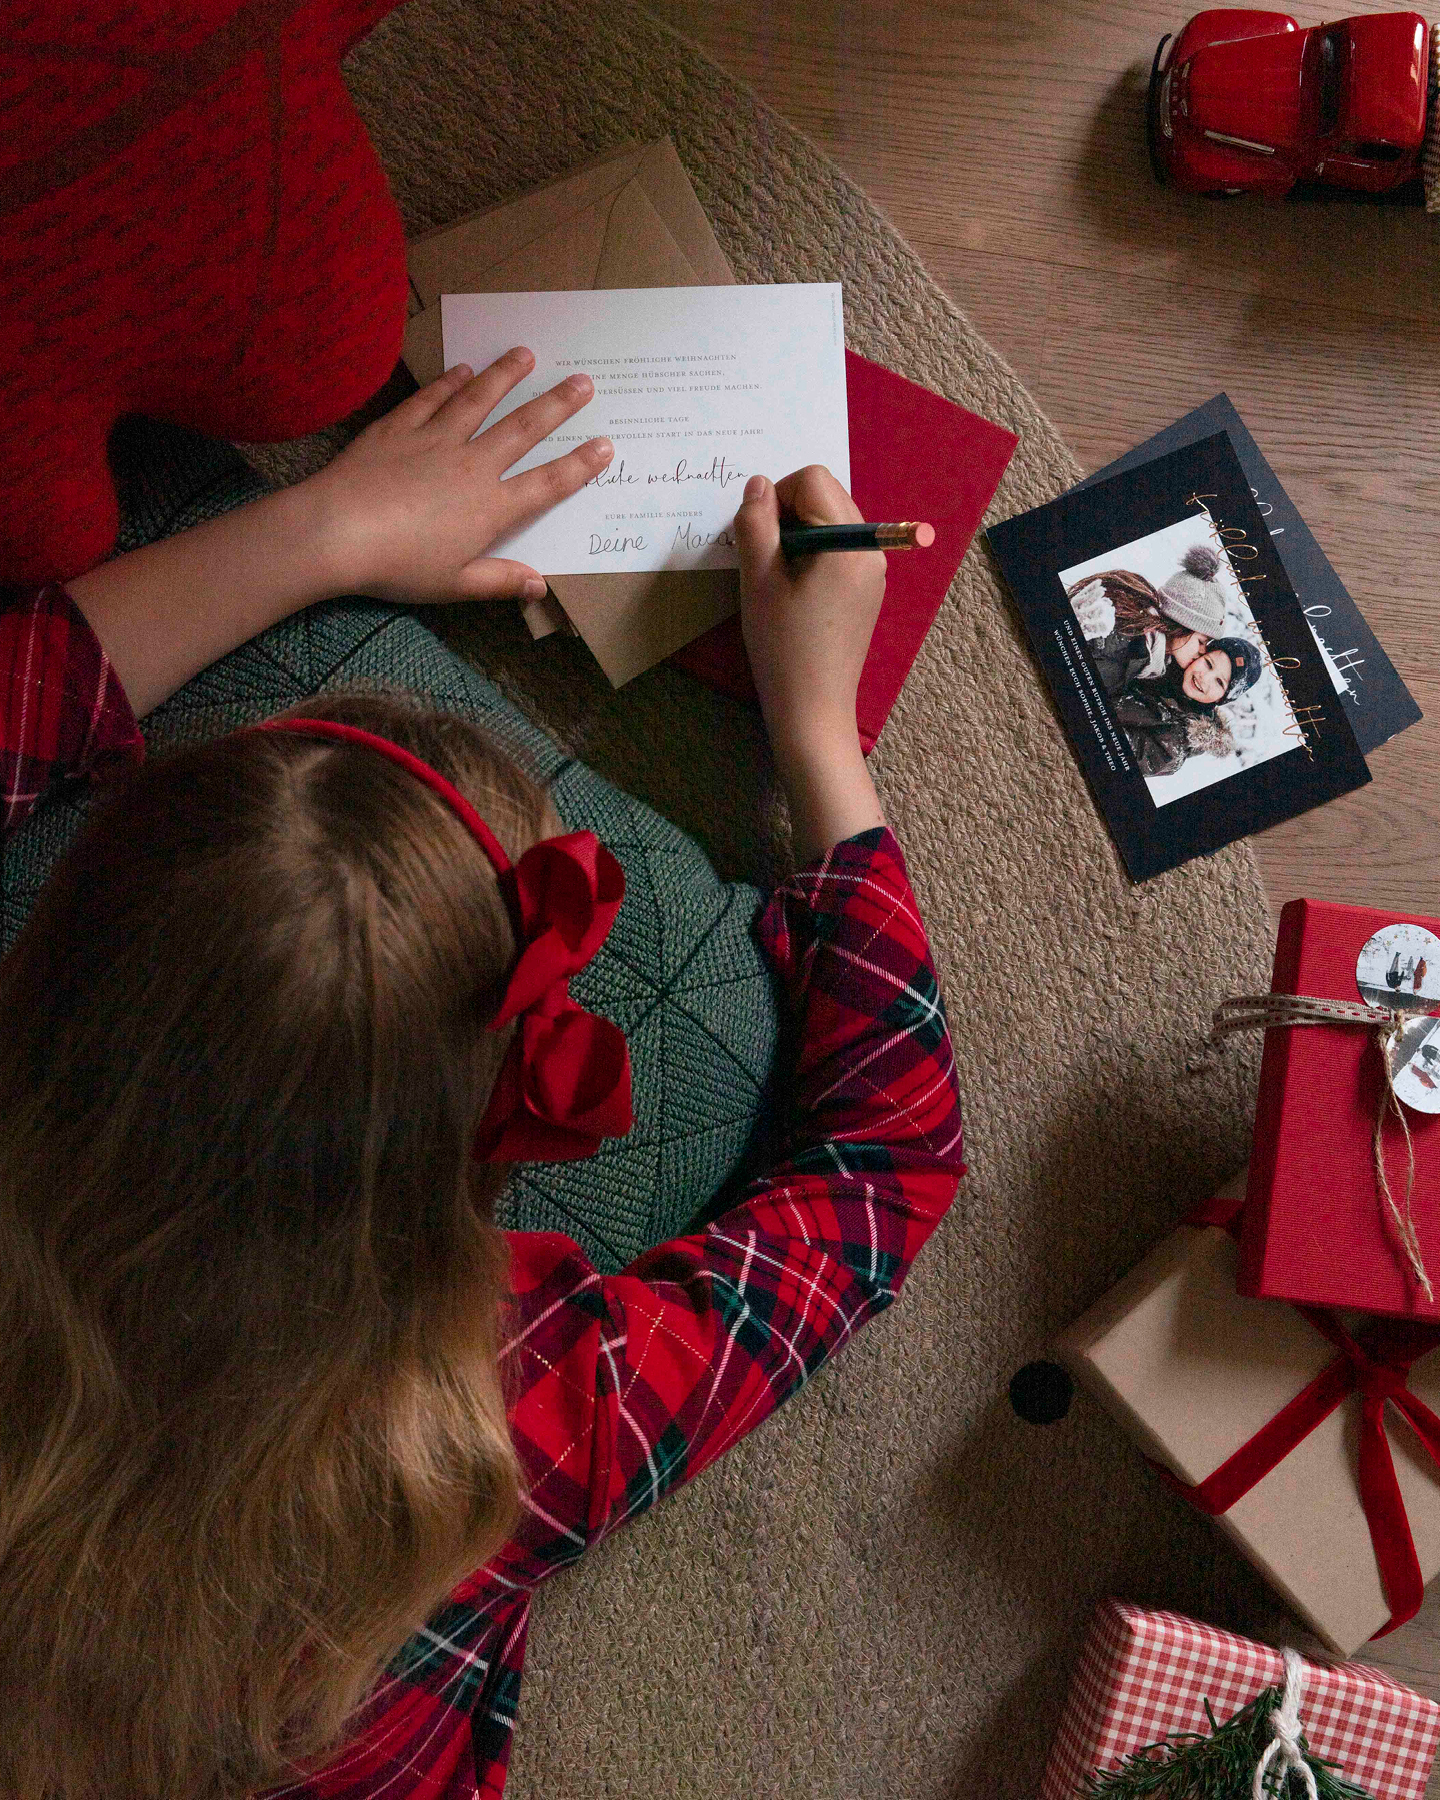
pixel 1378 1370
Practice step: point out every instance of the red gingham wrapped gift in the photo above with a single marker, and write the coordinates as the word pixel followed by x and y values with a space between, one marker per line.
pixel 1144 1675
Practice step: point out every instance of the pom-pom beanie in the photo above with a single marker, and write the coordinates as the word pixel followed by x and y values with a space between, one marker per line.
pixel 1191 597
pixel 1244 663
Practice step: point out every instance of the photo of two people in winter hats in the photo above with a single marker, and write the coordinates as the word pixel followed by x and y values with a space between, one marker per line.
pixel 1179 657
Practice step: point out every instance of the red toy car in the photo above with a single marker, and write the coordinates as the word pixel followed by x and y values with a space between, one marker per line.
pixel 1247 102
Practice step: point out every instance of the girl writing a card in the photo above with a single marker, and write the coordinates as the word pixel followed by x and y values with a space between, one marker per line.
pixel 277 1391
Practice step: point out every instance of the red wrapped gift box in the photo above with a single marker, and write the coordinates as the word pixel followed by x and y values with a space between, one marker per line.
pixel 1315 1228
pixel 1144 1675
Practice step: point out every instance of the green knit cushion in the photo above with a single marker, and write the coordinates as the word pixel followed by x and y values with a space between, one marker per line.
pixel 680 972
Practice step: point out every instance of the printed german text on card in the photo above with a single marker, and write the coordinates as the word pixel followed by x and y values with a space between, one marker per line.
pixel 698 388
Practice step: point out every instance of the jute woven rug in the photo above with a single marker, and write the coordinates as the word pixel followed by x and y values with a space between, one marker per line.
pixel 884 1589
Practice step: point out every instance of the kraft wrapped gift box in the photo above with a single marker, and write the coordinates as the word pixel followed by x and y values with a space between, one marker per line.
pixel 1193 1370
pixel 1145 1675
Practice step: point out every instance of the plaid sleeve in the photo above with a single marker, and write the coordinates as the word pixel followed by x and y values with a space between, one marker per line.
pixel 624 1387
pixel 62 710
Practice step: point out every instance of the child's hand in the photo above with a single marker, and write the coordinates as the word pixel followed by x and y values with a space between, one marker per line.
pixel 408 510
pixel 807 623
pixel 807 628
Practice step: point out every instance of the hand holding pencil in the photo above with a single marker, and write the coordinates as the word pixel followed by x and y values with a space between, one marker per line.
pixel 805 540
pixel 807 627
pixel 807 619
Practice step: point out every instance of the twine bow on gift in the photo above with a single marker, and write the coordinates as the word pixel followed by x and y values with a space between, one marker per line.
pixel 1284 1755
pixel 1378 1370
pixel 1267 1012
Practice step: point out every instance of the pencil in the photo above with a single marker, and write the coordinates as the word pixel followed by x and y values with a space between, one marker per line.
pixel 805 540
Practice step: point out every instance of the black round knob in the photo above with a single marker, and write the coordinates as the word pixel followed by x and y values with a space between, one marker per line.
pixel 1041 1392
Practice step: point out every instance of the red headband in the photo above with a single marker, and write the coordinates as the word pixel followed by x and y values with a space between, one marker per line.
pixel 565 1084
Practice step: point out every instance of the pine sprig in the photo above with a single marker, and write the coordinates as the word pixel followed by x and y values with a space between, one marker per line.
pixel 1218 1765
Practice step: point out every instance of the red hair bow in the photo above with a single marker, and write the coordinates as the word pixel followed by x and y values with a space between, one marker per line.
pixel 565 1084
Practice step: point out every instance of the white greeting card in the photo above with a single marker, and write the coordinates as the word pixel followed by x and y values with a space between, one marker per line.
pixel 698 388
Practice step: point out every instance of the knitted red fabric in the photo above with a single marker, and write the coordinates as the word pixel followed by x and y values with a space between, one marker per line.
pixel 193 225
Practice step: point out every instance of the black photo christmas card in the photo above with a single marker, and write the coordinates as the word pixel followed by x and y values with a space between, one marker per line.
pixel 1179 656
pixel 1377 702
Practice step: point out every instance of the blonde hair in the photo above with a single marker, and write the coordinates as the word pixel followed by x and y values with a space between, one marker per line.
pixel 254 1428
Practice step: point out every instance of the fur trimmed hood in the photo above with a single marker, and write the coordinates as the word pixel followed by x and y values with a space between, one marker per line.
pixel 1207 734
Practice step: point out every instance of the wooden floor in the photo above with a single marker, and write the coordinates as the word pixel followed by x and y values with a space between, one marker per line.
pixel 1004 139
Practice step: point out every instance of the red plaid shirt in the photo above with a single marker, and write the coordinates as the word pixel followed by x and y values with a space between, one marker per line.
pixel 629 1385
pixel 62 711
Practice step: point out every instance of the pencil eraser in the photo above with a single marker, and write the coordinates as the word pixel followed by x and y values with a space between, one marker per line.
pixel 924 536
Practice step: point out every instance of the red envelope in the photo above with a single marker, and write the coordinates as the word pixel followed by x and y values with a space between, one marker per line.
pixel 912 456
pixel 1315 1228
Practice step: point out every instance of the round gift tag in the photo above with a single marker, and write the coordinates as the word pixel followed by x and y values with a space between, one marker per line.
pixel 1415 1066
pixel 1400 967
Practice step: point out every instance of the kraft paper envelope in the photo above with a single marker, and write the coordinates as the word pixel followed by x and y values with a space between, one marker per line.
pixel 554 236
pixel 630 219
pixel 625 186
